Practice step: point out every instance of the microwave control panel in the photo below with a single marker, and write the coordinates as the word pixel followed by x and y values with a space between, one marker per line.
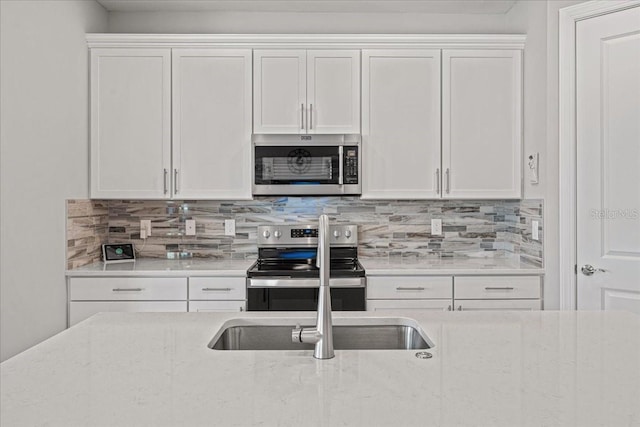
pixel 350 162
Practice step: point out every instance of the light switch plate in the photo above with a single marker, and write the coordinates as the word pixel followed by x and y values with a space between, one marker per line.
pixel 190 227
pixel 229 227
pixel 535 235
pixel 145 228
pixel 436 227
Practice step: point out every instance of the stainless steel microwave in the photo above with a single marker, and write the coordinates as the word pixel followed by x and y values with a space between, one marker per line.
pixel 306 165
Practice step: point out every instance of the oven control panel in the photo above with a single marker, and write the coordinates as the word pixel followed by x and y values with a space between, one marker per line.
pixel 305 235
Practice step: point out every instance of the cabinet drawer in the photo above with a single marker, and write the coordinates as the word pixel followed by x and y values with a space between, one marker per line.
pixel 409 287
pixel 127 288
pixel 499 304
pixel 497 287
pixel 78 311
pixel 413 305
pixel 217 288
pixel 217 306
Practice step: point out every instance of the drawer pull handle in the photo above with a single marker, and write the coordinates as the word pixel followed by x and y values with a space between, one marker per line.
pixel 401 288
pixel 217 289
pixel 505 288
pixel 128 289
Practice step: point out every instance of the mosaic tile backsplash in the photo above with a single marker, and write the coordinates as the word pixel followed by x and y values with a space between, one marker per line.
pixel 387 229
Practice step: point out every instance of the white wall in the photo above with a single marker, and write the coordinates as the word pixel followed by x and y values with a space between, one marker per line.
pixel 44 136
pixel 294 22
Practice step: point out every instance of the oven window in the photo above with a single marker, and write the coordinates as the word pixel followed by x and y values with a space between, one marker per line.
pixel 302 165
pixel 303 299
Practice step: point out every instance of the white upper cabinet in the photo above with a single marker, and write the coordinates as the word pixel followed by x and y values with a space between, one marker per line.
pixel 306 91
pixel 212 123
pixel 280 91
pixel 482 123
pixel 130 123
pixel 401 123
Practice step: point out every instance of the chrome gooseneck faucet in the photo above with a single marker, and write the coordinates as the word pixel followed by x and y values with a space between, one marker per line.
pixel 322 334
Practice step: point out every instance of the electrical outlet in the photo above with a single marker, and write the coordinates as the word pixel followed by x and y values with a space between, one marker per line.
pixel 190 227
pixel 436 227
pixel 145 228
pixel 229 227
pixel 535 235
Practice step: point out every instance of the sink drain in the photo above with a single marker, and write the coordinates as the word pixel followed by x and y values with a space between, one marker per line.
pixel 424 355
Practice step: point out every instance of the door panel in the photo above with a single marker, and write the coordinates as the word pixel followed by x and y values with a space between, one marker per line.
pixel 280 81
pixel 212 123
pixel 482 123
pixel 401 124
pixel 333 91
pixel 130 122
pixel 608 161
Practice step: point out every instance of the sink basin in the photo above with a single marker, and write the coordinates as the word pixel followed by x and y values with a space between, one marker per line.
pixel 348 334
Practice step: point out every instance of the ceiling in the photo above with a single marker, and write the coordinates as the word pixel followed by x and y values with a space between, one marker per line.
pixel 377 6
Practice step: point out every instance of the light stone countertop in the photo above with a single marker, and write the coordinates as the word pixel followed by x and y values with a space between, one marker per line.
pixel 449 266
pixel 488 369
pixel 151 267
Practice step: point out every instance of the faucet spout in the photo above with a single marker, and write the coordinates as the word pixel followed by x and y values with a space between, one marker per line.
pixel 322 334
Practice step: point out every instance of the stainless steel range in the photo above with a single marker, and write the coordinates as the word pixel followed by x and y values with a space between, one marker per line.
pixel 285 276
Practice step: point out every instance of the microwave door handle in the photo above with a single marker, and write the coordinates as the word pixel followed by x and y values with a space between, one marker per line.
pixel 340 164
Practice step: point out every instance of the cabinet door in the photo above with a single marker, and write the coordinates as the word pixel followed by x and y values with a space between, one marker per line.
pixel 79 311
pixel 497 287
pixel 482 123
pixel 414 305
pixel 127 288
pixel 217 306
pixel 130 123
pixel 212 123
pixel 279 88
pixel 401 124
pixel 410 287
pixel 217 288
pixel 333 91
pixel 497 304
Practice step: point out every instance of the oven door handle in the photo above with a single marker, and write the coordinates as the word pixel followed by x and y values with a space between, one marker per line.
pixel 340 164
pixel 288 282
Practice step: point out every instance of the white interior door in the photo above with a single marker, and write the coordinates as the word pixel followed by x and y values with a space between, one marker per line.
pixel 608 161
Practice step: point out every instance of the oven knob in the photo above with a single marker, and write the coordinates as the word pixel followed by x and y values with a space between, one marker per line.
pixel 266 234
pixel 347 233
pixel 277 234
pixel 336 233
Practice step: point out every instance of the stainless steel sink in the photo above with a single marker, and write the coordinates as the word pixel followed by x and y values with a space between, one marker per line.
pixel 348 334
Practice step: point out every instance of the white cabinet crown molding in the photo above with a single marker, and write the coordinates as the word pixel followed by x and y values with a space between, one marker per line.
pixel 480 41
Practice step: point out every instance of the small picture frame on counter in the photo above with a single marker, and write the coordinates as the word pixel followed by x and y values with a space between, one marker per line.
pixel 119 252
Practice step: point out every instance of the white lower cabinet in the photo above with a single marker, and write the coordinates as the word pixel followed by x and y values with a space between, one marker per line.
pixel 409 304
pixel 91 295
pixel 460 293
pixel 81 310
pixel 497 304
pixel 218 293
pixel 497 293
pixel 409 293
pixel 217 306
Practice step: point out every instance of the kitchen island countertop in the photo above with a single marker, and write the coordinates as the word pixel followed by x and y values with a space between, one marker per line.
pixel 488 369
